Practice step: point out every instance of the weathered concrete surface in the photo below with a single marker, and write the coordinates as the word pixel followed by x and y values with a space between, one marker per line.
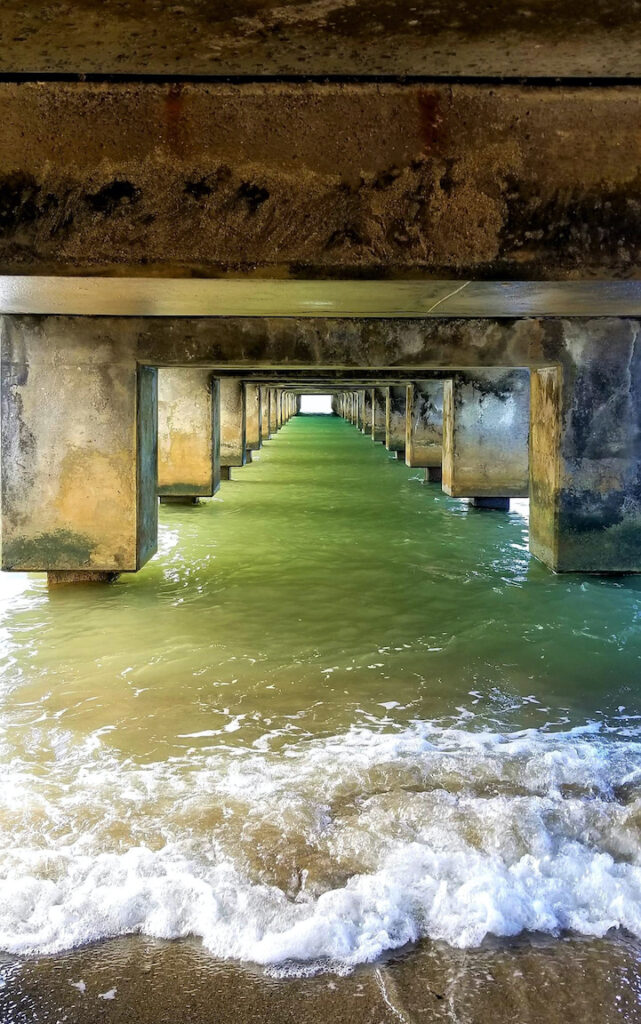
pixel 79 425
pixel 395 427
pixel 379 405
pixel 188 433
pixel 585 497
pixel 326 344
pixel 265 402
pixel 320 179
pixel 273 411
pixel 233 424
pixel 486 425
pixel 360 409
pixel 339 37
pixel 424 423
pixel 367 412
pixel 254 416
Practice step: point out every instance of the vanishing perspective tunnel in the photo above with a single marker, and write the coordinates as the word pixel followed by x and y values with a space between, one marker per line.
pixel 320 517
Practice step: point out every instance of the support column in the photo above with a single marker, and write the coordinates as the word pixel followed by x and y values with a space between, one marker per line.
pixel 264 413
pixel 188 435
pixel 360 410
pixel 379 404
pixel 485 436
pixel 395 427
pixel 254 417
pixel 367 411
pixel 424 427
pixel 79 442
pixel 273 411
pixel 585 472
pixel 233 425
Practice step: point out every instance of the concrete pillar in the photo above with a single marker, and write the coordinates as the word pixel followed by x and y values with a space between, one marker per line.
pixel 485 435
pixel 79 443
pixel 253 417
pixel 188 435
pixel 273 411
pixel 379 405
pixel 233 425
pixel 265 394
pixel 585 476
pixel 360 409
pixel 395 427
pixel 424 427
pixel 367 411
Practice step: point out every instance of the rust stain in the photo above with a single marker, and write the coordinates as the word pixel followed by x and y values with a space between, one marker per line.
pixel 430 119
pixel 174 103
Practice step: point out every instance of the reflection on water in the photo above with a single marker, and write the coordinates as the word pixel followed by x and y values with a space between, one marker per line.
pixel 337 714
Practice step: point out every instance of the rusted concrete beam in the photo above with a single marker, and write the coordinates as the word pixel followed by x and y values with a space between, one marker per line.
pixel 311 179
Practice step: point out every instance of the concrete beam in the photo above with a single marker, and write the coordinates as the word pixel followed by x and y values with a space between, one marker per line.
pixel 188 433
pixel 320 179
pixel 486 421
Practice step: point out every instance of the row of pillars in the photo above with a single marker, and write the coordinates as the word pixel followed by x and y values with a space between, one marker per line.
pixel 91 438
pixel 209 426
pixel 469 432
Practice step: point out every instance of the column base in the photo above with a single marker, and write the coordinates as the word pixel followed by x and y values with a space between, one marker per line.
pixel 60 577
pixel 502 504
pixel 434 475
pixel 248 456
pixel 178 499
pixel 225 472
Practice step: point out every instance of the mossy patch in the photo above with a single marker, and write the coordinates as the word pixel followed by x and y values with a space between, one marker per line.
pixel 59 549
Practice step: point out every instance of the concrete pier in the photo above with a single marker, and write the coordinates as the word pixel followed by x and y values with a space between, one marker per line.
pixel 79 443
pixel 265 402
pixel 367 412
pixel 585 478
pixel 486 422
pixel 360 409
pixel 188 435
pixel 379 407
pixel 253 417
pixel 424 426
pixel 273 411
pixel 395 425
pixel 233 423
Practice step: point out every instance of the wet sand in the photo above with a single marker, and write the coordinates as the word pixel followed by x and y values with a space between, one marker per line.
pixel 529 981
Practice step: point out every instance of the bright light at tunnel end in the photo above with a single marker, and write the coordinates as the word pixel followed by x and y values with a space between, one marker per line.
pixel 316 404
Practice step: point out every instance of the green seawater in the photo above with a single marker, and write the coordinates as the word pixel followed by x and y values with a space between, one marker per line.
pixel 337 714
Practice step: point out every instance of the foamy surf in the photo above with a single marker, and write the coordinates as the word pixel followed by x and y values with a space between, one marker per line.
pixel 330 852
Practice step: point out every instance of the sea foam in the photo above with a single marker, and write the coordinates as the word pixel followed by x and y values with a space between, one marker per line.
pixel 330 851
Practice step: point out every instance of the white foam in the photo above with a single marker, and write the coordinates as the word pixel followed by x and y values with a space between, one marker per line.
pixel 328 852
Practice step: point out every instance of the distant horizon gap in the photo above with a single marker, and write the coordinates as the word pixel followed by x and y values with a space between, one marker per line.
pixel 318 404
